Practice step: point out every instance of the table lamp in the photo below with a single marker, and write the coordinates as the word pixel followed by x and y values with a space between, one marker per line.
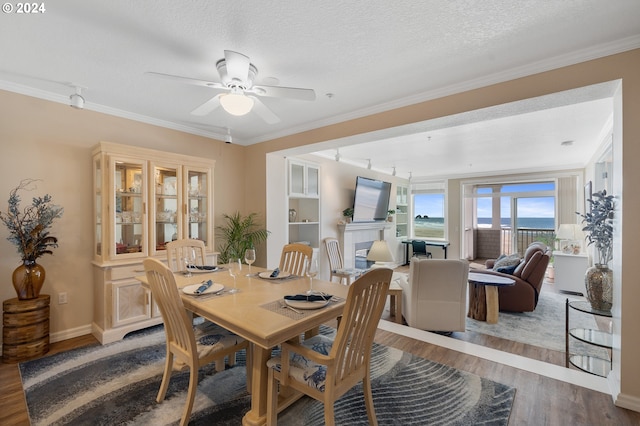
pixel 380 253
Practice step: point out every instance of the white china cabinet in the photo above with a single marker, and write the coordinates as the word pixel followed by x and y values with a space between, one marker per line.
pixel 142 199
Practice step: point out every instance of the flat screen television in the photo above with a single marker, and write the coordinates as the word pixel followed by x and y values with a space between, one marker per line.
pixel 371 200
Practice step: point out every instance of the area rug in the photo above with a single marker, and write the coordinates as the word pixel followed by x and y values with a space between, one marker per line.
pixel 544 327
pixel 117 384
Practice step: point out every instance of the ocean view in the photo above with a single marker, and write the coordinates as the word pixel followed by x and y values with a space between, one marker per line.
pixel 433 227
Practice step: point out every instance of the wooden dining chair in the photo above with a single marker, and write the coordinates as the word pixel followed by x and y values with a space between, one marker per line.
pixel 325 368
pixel 188 347
pixel 336 261
pixel 295 257
pixel 177 250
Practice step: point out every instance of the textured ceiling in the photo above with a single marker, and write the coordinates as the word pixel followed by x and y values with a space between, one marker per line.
pixel 359 56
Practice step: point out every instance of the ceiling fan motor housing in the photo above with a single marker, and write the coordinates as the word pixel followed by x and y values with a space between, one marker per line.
pixel 232 82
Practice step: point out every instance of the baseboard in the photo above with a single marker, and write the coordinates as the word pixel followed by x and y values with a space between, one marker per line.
pixel 70 333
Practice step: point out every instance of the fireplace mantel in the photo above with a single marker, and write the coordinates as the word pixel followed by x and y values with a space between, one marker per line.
pixel 352 233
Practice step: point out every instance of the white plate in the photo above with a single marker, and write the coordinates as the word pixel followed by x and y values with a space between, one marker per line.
pixel 190 289
pixel 203 271
pixel 267 275
pixel 303 304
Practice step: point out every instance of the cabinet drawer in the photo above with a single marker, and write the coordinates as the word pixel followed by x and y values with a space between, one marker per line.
pixel 124 272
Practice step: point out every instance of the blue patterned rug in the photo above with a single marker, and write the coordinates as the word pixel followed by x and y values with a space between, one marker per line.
pixel 117 384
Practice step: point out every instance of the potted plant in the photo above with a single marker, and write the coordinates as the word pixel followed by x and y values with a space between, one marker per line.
pixel 599 228
pixel 29 232
pixel 390 214
pixel 239 234
pixel 348 214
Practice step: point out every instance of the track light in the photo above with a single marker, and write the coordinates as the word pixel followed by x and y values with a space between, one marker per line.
pixel 369 165
pixel 337 154
pixel 76 100
pixel 227 137
pixel 236 103
pixel 394 171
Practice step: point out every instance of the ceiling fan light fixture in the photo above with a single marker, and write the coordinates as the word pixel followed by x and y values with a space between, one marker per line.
pixel 236 103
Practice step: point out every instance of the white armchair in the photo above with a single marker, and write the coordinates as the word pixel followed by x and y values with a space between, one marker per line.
pixel 434 297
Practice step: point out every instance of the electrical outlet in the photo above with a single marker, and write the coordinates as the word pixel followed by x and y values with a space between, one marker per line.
pixel 62 298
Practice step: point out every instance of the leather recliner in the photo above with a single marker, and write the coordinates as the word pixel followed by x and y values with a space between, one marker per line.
pixel 529 276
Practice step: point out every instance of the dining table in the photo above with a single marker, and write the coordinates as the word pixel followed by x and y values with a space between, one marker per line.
pixel 259 314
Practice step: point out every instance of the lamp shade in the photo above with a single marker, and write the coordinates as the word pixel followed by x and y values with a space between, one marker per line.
pixel 380 252
pixel 236 103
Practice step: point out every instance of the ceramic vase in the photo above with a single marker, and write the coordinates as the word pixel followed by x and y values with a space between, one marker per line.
pixel 28 280
pixel 598 281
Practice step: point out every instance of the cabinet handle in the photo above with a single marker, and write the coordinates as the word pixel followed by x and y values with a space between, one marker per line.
pixel 184 209
pixel 144 208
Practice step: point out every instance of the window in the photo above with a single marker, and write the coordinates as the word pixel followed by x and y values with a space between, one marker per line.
pixel 429 207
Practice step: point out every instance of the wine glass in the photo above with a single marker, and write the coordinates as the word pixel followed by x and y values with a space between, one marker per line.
pixel 249 258
pixel 311 271
pixel 189 260
pixel 235 266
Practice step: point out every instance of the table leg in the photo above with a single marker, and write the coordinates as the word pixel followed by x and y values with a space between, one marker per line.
pixel 477 302
pixel 256 416
pixel 492 304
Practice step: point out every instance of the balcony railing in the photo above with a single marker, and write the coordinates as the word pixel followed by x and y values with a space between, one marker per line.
pixel 524 237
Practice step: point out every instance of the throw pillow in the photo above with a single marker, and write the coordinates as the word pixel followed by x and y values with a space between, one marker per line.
pixel 506 261
pixel 506 269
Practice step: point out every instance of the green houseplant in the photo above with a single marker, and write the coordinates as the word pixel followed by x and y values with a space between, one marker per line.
pixel 348 214
pixel 598 224
pixel 239 234
pixel 29 232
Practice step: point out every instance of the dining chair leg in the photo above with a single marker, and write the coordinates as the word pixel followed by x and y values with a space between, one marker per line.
pixel 191 396
pixel 166 377
pixel 329 419
pixel 368 400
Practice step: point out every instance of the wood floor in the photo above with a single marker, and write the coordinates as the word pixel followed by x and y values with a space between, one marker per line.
pixel 539 400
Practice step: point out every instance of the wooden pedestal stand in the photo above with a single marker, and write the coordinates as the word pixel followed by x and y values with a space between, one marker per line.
pixel 25 328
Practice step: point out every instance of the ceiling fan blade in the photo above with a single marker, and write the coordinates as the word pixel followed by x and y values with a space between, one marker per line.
pixel 264 112
pixel 187 80
pixel 284 92
pixel 237 65
pixel 208 106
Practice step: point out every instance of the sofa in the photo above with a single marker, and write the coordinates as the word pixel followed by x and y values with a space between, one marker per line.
pixel 528 274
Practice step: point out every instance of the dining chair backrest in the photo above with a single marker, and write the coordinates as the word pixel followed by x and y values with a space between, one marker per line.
pixel 336 261
pixel 295 257
pixel 364 305
pixel 178 324
pixel 178 249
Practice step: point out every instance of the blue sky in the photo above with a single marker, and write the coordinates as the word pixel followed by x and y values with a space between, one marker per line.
pixel 433 204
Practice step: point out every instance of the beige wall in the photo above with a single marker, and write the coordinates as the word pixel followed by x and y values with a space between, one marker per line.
pixel 53 142
pixel 625 66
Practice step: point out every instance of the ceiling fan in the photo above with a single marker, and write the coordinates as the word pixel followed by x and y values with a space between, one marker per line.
pixel 237 75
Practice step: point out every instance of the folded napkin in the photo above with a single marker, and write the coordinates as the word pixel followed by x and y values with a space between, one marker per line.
pixel 203 267
pixel 310 297
pixel 203 287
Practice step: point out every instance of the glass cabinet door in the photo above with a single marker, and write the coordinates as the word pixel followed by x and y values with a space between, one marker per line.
pixel 198 208
pixel 97 204
pixel 129 178
pixel 166 206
